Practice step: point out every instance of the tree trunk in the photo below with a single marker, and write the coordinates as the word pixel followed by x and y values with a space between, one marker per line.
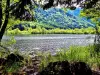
pixel 6 20
pixel 0 13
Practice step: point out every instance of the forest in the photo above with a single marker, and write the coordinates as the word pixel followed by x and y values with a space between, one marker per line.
pixel 52 24
pixel 64 20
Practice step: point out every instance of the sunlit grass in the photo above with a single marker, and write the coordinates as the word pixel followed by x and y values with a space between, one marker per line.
pixel 74 53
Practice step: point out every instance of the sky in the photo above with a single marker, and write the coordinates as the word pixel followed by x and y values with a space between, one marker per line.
pixel 75 12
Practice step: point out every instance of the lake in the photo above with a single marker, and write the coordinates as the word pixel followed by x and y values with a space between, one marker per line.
pixel 50 42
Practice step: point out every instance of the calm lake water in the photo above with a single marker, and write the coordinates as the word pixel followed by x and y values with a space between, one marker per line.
pixel 50 42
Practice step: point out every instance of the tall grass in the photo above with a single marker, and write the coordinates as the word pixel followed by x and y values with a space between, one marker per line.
pixel 74 53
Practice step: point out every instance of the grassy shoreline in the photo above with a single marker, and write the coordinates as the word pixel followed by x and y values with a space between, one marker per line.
pixel 74 54
pixel 84 54
pixel 51 31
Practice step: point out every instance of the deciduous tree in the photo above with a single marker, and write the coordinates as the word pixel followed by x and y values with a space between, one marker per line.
pixel 19 9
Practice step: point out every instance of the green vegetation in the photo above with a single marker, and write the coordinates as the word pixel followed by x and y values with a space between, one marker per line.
pixel 40 30
pixel 9 65
pixel 74 53
pixel 34 27
pixel 8 10
pixel 13 61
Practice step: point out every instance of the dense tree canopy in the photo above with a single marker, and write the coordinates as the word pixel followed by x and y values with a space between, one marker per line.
pixel 94 15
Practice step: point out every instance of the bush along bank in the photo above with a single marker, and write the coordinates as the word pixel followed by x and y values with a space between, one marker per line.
pixel 40 30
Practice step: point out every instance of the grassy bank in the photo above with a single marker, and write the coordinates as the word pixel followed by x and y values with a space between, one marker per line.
pixel 74 53
pixel 17 62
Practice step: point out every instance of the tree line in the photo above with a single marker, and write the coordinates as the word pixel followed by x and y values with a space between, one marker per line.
pixel 22 9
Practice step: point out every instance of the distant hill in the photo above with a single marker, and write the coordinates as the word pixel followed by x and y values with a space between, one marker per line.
pixel 59 18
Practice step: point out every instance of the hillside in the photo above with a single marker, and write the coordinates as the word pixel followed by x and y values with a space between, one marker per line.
pixel 55 21
pixel 58 18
